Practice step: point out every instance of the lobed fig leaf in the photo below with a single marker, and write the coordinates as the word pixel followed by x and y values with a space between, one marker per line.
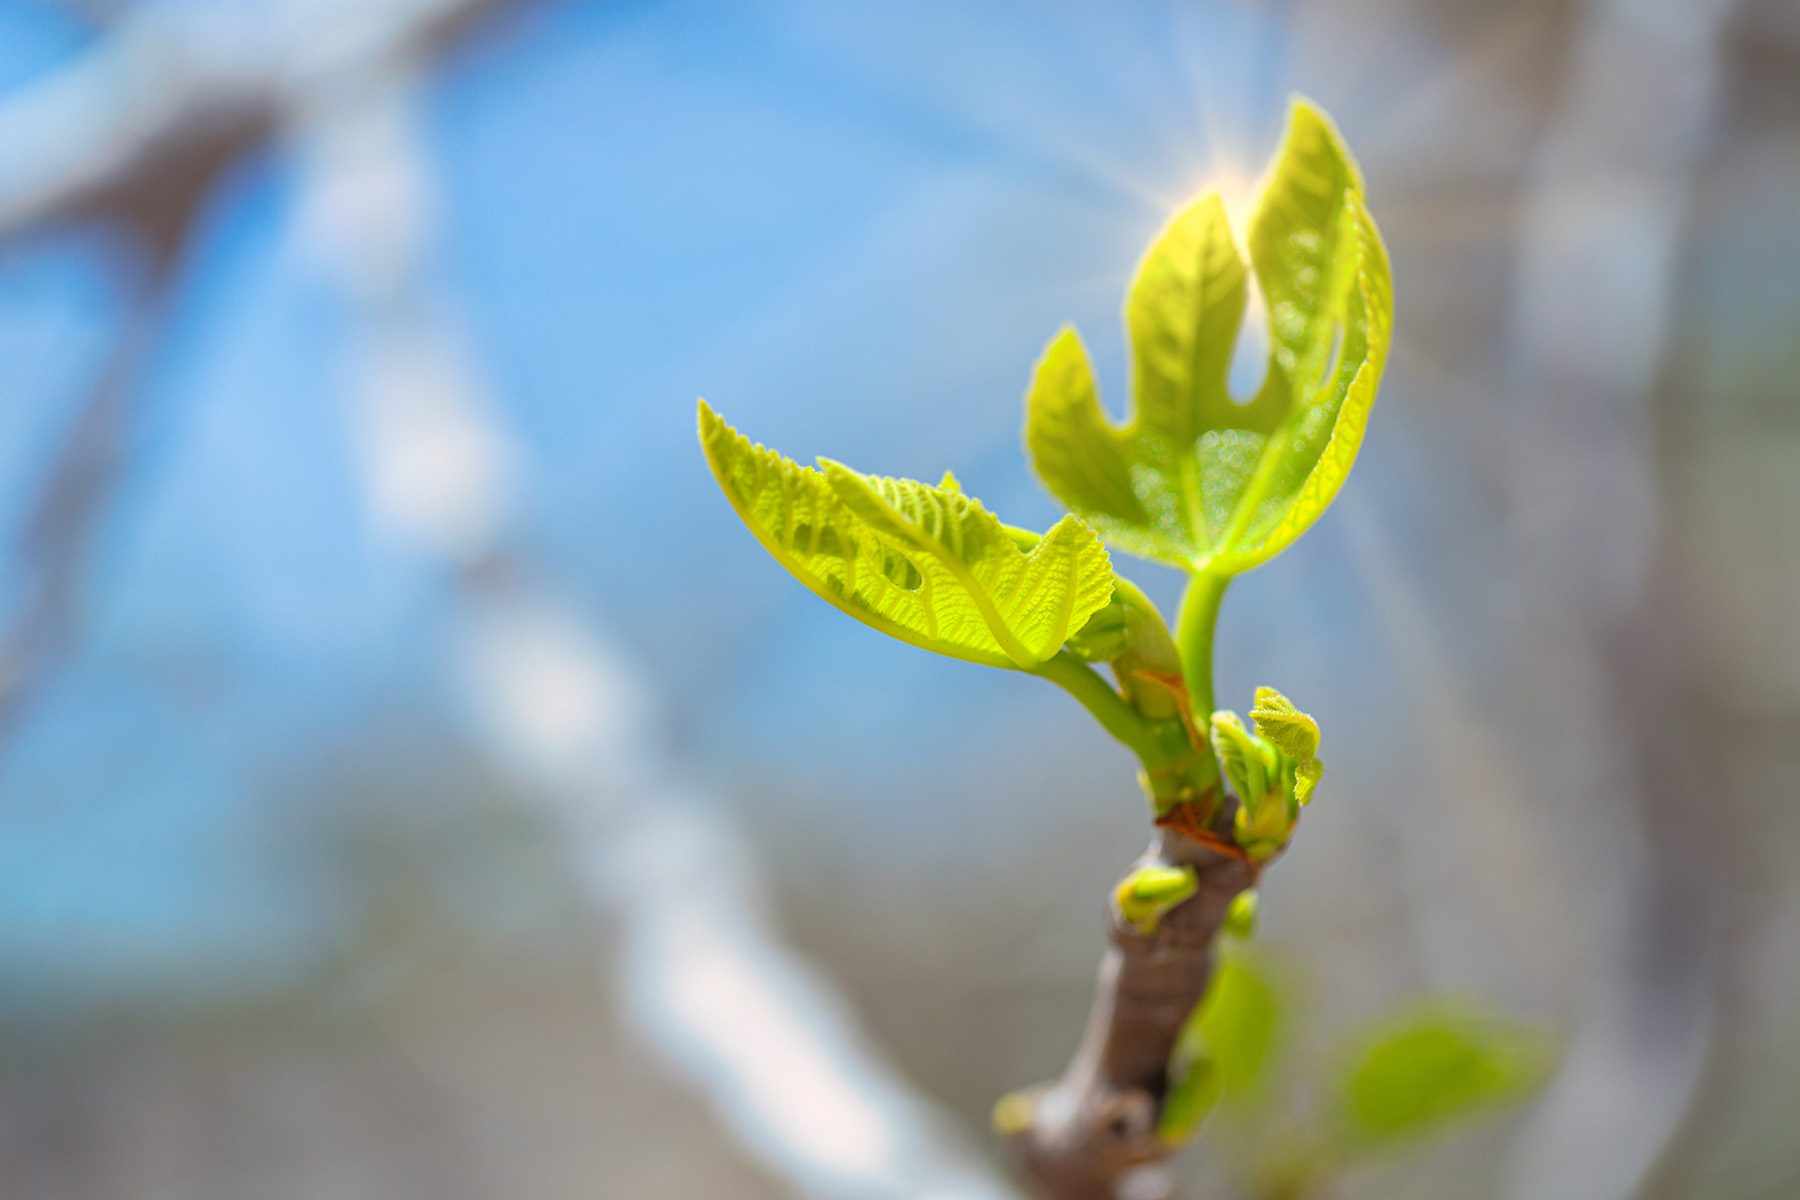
pixel 923 563
pixel 1195 479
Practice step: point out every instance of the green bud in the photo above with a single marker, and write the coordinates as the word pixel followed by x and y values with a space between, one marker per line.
pixel 1263 833
pixel 1272 771
pixel 1240 918
pixel 1148 892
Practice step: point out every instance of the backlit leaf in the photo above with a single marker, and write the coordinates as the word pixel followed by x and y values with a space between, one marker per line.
pixel 926 564
pixel 1432 1068
pixel 1196 479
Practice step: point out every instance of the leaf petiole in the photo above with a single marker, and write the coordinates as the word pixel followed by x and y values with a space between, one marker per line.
pixel 1195 624
pixel 1067 671
pixel 1174 768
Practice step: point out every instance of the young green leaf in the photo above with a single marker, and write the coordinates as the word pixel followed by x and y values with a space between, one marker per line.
pixel 1195 1086
pixel 1106 633
pixel 1249 764
pixel 1240 1020
pixel 1432 1068
pixel 1226 1046
pixel 928 565
pixel 1293 733
pixel 1195 479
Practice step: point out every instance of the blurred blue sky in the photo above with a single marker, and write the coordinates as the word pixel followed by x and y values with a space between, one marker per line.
pixel 852 227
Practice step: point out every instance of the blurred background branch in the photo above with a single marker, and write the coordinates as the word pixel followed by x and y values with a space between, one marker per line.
pixel 138 135
pixel 1604 222
pixel 135 135
pixel 745 1019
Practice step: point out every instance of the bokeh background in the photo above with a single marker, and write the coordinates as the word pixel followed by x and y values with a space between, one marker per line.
pixel 415 783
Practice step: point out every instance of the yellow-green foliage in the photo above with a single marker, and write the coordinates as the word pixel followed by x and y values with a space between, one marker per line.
pixel 923 563
pixel 1195 479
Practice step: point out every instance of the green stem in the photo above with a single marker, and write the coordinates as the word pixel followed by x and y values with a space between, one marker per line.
pixel 1194 628
pixel 1108 707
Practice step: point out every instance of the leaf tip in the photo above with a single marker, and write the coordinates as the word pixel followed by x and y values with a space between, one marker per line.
pixel 845 481
pixel 1063 349
pixel 1307 120
pixel 1062 380
pixel 715 434
pixel 1209 207
pixel 1302 107
pixel 706 417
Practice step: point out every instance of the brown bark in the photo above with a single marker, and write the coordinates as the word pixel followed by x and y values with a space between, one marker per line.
pixel 1092 1133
